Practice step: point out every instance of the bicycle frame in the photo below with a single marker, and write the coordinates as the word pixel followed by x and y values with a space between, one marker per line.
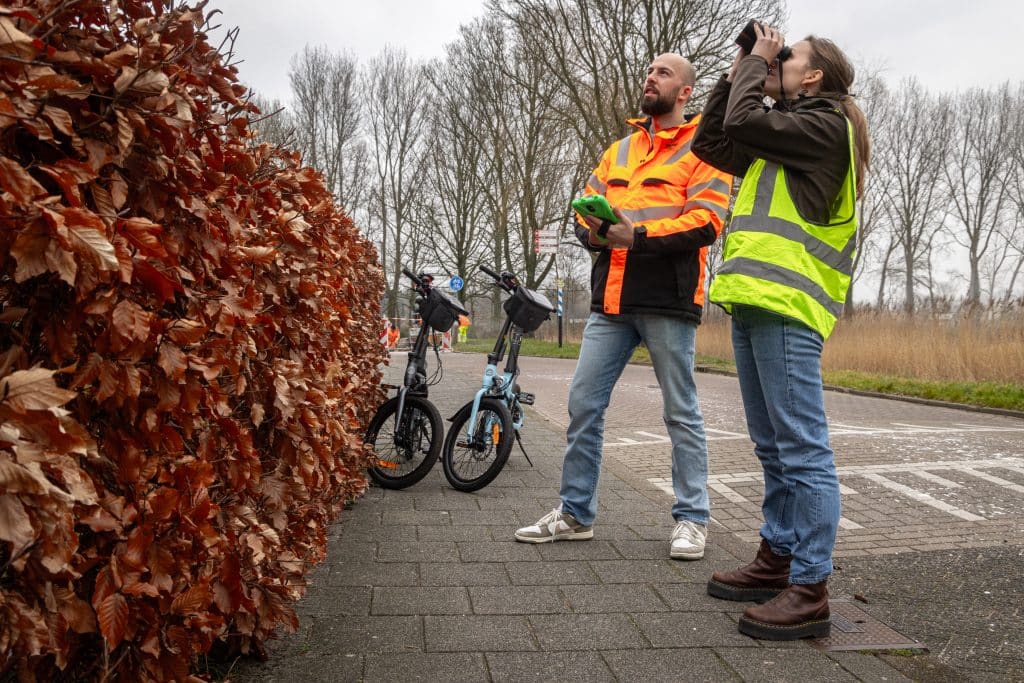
pixel 415 371
pixel 502 387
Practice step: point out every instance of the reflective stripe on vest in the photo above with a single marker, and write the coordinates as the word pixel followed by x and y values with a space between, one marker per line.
pixel 777 260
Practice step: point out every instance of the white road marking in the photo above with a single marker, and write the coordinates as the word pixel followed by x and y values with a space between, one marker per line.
pixel 920 428
pixel 721 482
pixel 900 428
pixel 726 491
pixel 725 433
pixel 993 479
pixel 936 479
pixel 659 437
pixel 922 497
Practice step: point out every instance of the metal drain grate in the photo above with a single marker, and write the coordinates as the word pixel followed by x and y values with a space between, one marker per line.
pixel 855 629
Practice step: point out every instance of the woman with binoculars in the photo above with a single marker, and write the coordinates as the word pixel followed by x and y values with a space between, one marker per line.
pixel 787 264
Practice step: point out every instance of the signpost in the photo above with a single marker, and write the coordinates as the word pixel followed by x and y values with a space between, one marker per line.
pixel 456 284
pixel 560 317
pixel 545 241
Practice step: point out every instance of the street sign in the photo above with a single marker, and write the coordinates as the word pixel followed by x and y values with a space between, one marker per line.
pixel 456 283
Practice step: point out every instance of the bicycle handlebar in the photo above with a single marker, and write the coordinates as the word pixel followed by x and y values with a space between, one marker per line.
pixel 506 281
pixel 412 276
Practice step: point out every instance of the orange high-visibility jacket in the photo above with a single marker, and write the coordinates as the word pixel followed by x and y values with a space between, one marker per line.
pixel 677 204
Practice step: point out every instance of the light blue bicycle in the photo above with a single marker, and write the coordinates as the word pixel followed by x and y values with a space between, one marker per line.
pixel 479 440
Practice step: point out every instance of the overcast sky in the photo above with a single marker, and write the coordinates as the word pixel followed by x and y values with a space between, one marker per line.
pixel 948 45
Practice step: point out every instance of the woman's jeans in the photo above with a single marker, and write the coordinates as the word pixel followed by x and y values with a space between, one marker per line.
pixel 779 364
pixel 608 344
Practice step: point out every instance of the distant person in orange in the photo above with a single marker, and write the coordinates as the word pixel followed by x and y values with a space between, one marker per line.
pixel 463 328
pixel 393 336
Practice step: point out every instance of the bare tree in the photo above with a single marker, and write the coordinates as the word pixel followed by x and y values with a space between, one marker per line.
pixel 462 171
pixel 598 50
pixel 327 112
pixel 874 100
pixel 398 90
pixel 1014 239
pixel 273 123
pixel 977 175
pixel 914 140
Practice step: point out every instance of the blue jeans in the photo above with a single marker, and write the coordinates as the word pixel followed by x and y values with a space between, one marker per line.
pixel 608 344
pixel 779 364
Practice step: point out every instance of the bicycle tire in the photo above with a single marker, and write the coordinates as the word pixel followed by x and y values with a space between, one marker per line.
pixel 463 473
pixel 408 463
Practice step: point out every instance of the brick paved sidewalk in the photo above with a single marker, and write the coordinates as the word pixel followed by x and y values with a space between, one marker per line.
pixel 427 584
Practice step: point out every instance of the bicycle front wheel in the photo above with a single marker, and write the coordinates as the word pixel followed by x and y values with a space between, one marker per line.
pixel 473 463
pixel 407 445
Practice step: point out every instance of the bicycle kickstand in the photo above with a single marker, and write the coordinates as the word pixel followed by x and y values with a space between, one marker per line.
pixel 519 441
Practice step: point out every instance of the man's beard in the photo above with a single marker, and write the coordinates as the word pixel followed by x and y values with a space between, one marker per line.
pixel 659 106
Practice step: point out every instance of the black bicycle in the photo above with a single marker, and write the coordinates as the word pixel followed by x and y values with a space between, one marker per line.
pixel 480 438
pixel 406 431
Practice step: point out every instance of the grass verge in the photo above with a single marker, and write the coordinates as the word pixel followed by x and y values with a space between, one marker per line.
pixel 1002 395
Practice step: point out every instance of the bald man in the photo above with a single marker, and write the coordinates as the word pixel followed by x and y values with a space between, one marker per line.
pixel 648 286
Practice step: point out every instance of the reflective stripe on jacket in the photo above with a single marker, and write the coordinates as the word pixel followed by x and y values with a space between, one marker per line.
pixel 776 259
pixel 677 204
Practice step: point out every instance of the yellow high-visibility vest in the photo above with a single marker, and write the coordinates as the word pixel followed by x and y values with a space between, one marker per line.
pixel 777 260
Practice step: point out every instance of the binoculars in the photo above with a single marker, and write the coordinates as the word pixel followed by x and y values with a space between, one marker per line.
pixel 748 37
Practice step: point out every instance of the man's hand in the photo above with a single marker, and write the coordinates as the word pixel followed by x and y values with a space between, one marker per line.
pixel 619 236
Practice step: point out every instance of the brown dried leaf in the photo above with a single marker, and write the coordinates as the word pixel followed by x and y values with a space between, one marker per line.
pixel 192 601
pixel 113 617
pixel 61 262
pixel 172 361
pixel 29 250
pixel 15 525
pixel 145 234
pixel 16 180
pixel 131 321
pixel 33 389
pixel 15 42
pixel 95 245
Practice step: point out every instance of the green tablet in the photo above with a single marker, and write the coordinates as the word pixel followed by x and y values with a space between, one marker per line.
pixel 595 205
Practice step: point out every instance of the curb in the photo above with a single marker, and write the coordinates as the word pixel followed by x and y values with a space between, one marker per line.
pixel 895 397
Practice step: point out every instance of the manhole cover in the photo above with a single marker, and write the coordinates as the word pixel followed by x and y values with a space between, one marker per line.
pixel 855 629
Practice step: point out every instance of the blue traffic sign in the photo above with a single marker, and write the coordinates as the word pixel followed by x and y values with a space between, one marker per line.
pixel 456 283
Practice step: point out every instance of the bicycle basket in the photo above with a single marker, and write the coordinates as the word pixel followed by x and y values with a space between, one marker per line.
pixel 528 309
pixel 440 311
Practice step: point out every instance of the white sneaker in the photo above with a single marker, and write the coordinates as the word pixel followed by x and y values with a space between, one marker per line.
pixel 688 541
pixel 555 526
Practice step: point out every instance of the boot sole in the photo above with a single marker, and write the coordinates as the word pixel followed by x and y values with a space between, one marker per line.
pixel 724 591
pixel 819 628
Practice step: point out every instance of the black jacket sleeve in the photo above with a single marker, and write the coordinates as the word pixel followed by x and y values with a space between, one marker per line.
pixel 799 140
pixel 710 143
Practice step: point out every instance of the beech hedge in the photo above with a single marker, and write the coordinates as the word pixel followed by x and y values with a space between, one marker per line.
pixel 188 349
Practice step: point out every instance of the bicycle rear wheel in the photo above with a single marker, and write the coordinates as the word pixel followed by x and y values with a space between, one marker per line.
pixel 471 464
pixel 406 446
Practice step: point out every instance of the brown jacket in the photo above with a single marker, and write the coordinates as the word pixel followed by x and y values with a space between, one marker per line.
pixel 808 139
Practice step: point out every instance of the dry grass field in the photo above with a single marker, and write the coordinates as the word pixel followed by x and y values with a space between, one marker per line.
pixel 922 348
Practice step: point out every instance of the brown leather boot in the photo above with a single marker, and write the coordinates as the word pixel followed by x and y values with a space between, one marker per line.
pixel 801 611
pixel 762 579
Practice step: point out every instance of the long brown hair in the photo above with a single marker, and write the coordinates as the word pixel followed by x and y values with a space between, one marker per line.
pixel 835 84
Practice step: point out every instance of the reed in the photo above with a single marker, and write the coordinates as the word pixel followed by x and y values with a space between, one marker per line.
pixel 933 348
